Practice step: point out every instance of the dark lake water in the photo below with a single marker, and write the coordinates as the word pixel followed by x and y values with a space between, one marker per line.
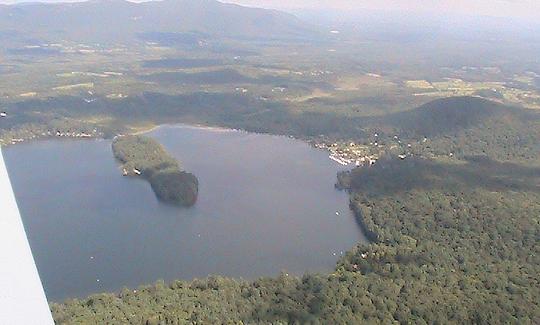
pixel 266 204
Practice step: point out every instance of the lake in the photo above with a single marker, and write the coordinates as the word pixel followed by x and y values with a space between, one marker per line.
pixel 266 204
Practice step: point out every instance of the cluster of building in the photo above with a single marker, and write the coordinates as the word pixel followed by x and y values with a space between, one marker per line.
pixel 350 153
pixel 23 136
pixel 317 73
pixel 74 134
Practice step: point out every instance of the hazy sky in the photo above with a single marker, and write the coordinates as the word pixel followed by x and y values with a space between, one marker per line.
pixel 498 8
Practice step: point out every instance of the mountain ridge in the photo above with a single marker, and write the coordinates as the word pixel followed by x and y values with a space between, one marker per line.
pixel 121 20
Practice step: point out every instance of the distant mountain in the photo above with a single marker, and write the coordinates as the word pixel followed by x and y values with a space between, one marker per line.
pixel 124 21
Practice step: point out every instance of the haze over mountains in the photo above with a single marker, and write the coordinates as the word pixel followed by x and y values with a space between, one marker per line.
pixel 119 20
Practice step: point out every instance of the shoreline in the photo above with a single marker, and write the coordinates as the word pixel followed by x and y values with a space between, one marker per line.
pixel 150 127
pixel 143 130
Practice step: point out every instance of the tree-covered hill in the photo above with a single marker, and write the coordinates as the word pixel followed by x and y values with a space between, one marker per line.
pixel 461 127
pixel 450 114
pixel 454 115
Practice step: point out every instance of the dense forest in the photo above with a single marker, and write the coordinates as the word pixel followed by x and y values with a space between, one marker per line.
pixel 146 157
pixel 461 127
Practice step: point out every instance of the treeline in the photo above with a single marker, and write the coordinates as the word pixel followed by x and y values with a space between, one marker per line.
pixel 455 127
pixel 219 109
pixel 54 127
pixel 146 157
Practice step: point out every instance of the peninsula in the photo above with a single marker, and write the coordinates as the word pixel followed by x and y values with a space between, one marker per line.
pixel 144 157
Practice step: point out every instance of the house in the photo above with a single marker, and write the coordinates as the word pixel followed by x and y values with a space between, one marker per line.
pixel 280 89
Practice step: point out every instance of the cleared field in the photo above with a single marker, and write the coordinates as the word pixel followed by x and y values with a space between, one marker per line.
pixel 87 85
pixel 418 84
pixel 28 94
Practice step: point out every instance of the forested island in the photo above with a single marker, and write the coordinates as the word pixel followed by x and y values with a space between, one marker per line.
pixel 145 157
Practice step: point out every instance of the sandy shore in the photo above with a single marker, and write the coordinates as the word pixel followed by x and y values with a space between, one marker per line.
pixel 145 130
